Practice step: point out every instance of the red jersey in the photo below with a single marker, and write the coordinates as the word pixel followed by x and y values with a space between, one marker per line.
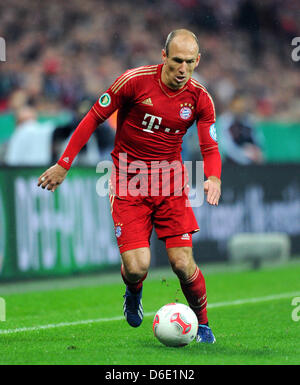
pixel 152 120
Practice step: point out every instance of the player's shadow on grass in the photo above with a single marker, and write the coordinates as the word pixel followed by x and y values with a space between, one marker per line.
pixel 217 350
pixel 234 350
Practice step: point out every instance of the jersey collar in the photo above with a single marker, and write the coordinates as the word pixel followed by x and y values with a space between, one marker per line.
pixel 166 90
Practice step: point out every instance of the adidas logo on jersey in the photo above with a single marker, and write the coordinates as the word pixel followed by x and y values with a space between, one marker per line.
pixel 148 102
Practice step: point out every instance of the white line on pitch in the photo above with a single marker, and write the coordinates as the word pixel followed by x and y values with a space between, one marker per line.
pixel 119 318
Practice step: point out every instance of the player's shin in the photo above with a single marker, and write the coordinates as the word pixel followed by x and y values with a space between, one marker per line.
pixel 194 290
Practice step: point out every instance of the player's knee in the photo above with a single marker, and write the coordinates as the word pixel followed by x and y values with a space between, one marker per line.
pixel 135 269
pixel 181 261
pixel 135 272
pixel 136 263
pixel 180 266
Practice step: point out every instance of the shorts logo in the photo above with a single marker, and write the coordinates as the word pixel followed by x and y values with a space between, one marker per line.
pixel 185 113
pixel 185 237
pixel 213 132
pixel 105 100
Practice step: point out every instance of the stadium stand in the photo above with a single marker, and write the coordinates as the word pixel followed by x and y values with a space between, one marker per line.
pixel 59 54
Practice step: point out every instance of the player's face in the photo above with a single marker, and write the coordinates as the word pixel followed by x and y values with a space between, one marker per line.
pixel 179 65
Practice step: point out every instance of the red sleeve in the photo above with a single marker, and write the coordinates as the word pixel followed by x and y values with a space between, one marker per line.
pixel 111 100
pixel 79 138
pixel 207 135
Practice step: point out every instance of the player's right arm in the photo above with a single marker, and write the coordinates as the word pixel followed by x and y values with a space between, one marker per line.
pixel 120 92
pixel 56 174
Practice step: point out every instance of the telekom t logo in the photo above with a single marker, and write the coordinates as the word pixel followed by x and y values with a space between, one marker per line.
pixel 2 49
pixel 150 123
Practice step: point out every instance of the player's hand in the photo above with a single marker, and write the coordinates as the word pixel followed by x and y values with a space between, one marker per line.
pixel 52 177
pixel 212 188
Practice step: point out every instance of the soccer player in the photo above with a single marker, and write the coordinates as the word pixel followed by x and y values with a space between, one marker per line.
pixel 156 105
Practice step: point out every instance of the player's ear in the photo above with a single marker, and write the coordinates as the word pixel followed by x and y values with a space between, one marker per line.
pixel 198 60
pixel 164 56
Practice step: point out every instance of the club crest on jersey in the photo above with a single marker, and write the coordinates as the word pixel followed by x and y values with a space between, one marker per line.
pixel 105 100
pixel 213 132
pixel 186 111
pixel 118 230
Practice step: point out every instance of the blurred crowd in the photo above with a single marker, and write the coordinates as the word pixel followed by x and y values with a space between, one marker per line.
pixel 61 55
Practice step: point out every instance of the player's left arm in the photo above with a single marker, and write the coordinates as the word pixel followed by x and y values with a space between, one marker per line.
pixel 209 147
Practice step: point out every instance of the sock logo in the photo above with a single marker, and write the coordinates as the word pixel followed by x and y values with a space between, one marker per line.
pixel 202 300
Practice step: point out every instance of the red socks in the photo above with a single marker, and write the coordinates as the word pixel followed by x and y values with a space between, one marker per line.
pixel 195 293
pixel 134 287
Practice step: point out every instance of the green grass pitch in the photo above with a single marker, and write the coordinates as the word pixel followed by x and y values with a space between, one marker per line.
pixel 79 321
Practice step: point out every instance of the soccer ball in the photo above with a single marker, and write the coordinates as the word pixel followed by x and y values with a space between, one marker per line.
pixel 175 324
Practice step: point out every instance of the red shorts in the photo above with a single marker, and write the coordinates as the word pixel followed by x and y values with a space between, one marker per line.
pixel 134 218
